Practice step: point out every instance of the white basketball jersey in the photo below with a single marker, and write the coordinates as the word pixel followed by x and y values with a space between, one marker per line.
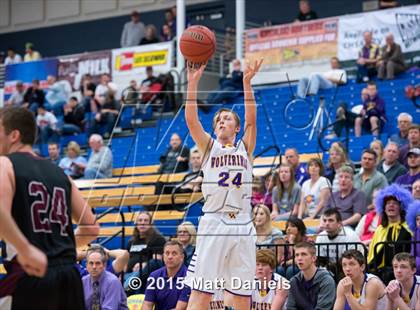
pixel 227 183
pixel 382 301
pixel 413 297
pixel 262 299
pixel 217 301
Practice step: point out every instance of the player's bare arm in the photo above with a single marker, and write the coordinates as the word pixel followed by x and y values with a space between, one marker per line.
pixel 340 301
pixel 87 227
pixel 32 260
pixel 147 305
pixel 250 129
pixel 200 137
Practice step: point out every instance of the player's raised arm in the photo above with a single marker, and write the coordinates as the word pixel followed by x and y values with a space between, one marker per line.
pixel 200 137
pixel 250 129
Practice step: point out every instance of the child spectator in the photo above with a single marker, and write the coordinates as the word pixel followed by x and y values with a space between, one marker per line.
pixel 369 222
pixel 47 125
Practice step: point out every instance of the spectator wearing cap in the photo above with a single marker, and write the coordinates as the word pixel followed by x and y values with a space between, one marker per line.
pixel 413 160
pixel 16 100
pixel 404 122
pixel 305 12
pixel 133 32
pixel 12 57
pixel 151 35
pixel 391 204
pixel 389 166
pixel 413 142
pixel 30 53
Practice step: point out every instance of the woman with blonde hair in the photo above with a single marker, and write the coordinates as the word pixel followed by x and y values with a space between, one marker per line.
pixel 72 164
pixel 186 235
pixel 266 234
pixel 337 159
pixel 378 148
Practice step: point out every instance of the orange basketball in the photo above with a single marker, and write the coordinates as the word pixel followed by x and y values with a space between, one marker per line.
pixel 197 44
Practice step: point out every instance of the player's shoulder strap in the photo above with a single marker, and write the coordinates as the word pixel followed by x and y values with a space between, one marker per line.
pixel 207 151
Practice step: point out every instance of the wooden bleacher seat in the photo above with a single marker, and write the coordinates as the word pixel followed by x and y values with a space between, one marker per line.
pixel 130 216
pixel 135 170
pixel 118 192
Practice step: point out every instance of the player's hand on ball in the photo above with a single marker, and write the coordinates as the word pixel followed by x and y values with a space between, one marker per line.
pixel 33 261
pixel 194 72
pixel 251 69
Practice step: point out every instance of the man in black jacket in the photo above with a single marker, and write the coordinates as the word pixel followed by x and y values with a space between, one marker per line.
pixel 74 115
pixel 34 97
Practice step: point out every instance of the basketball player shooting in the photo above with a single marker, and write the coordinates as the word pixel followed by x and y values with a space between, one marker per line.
pixel 226 237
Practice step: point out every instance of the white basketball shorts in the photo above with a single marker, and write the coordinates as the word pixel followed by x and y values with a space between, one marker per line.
pixel 225 255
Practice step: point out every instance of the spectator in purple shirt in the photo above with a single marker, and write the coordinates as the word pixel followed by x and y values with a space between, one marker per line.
pixel 368 58
pixel 101 288
pixel 372 116
pixel 292 158
pixel 171 293
pixel 407 180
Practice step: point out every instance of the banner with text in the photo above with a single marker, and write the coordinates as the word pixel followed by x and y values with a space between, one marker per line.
pixel 130 63
pixel 403 23
pixel 293 48
pixel 73 67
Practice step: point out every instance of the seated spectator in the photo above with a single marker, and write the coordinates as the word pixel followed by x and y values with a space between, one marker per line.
pixel 150 87
pixel 413 221
pixel 369 222
pixel 305 12
pixel 345 118
pixel 315 191
pixel 34 97
pixel 404 122
pixel 72 164
pixel 390 167
pixel 176 157
pixel 171 295
pixel 99 165
pixel 116 260
pixel 416 189
pixel 309 86
pixel 74 116
pixel 150 35
pixel 145 248
pixel 101 91
pixel 350 202
pixel 292 158
pixel 266 234
pixel 133 32
pixel 412 92
pixel 337 158
pixel 370 178
pixel 87 92
pixel 407 180
pixel 378 148
pixel 47 125
pixel 186 234
pixel 54 152
pixel 166 33
pixel 58 92
pixel 102 289
pixel 260 193
pixel 312 287
pixel 17 98
pixel 132 93
pixel 30 53
pixel 106 115
pixel 270 293
pixel 12 57
pixel 286 194
pixel 372 117
pixel 341 238
pixel 391 61
pixel 368 58
pixel 230 87
pixel 403 292
pixel 391 205
pixel 195 176
pixel 359 289
pixel 295 233
pixel 413 142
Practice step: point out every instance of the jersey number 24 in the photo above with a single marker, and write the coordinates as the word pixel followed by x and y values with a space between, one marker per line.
pixel 224 179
